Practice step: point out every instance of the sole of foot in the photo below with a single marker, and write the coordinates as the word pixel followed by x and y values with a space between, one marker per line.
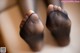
pixel 31 30
pixel 59 24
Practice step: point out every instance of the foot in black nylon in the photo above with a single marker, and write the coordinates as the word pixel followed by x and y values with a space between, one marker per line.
pixel 32 31
pixel 59 24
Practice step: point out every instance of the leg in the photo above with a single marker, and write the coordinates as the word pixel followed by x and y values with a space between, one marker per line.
pixel 58 22
pixel 5 4
pixel 31 28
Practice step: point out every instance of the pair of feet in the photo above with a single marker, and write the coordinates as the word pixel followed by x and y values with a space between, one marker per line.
pixel 32 29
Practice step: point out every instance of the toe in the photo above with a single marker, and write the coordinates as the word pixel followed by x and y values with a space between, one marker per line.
pixel 23 21
pixel 55 7
pixel 29 12
pixel 50 8
pixel 59 8
pixel 26 17
pixel 34 18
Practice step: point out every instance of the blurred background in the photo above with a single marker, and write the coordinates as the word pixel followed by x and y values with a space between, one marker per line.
pixel 9 29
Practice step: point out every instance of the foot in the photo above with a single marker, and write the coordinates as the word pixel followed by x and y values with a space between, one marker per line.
pixel 31 30
pixel 59 24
